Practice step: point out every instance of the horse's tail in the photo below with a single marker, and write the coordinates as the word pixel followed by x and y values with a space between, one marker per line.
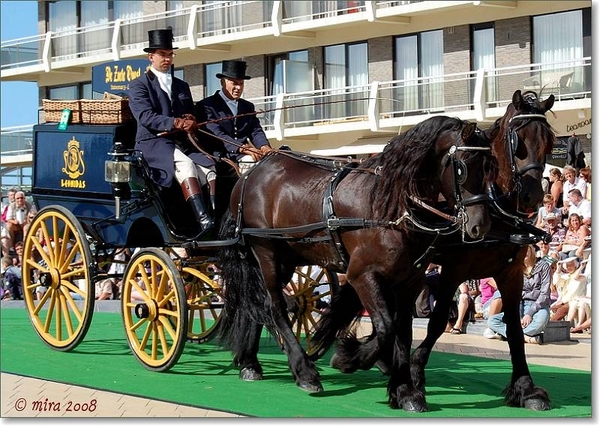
pixel 336 321
pixel 246 303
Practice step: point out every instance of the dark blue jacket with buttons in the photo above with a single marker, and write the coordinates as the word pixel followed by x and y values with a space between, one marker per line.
pixel 230 132
pixel 155 114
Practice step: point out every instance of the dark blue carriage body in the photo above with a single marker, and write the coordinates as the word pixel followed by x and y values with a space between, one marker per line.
pixel 68 170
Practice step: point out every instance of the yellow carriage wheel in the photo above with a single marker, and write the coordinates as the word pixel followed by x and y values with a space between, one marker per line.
pixel 308 294
pixel 205 302
pixel 56 266
pixel 154 308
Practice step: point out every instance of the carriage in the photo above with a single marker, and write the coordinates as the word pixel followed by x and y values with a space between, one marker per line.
pixel 94 197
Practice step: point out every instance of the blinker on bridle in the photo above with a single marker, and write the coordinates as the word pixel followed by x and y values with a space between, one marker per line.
pixel 513 144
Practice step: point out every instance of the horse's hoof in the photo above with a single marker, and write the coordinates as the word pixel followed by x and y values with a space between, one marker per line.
pixel 311 387
pixel 337 363
pixel 414 407
pixel 249 374
pixel 537 405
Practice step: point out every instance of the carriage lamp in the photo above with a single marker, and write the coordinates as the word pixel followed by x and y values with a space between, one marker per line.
pixel 117 172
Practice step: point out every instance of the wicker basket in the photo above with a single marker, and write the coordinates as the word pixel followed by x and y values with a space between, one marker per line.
pixel 105 111
pixel 53 110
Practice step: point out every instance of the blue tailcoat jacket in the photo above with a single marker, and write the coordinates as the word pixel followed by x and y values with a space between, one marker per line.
pixel 155 114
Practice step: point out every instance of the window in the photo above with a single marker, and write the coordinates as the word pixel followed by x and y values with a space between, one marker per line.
pixel 95 14
pixel 64 92
pixel 484 48
pixel 212 83
pixel 178 21
pixel 62 16
pixel 219 17
pixel 133 30
pixel 296 11
pixel 420 67
pixel 346 69
pixel 290 73
pixel 558 46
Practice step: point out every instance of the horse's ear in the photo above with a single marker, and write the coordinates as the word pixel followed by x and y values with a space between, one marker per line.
pixel 517 99
pixel 548 103
pixel 468 131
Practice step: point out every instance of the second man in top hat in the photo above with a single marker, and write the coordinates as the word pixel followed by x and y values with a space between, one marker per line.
pixel 229 118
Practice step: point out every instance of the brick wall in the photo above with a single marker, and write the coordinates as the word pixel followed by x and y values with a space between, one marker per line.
pixel 513 47
pixel 457 59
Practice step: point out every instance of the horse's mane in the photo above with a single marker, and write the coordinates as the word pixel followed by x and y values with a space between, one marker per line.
pixel 539 130
pixel 408 168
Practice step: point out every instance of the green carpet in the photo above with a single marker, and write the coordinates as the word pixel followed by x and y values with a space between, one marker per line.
pixel 458 385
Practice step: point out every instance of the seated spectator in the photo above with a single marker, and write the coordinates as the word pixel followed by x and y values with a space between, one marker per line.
pixel 16 215
pixel 18 258
pixel 104 289
pixel 12 278
pixel 6 240
pixel 580 206
pixel 552 258
pixel 535 300
pixel 465 307
pixel 571 182
pixel 570 284
pixel 548 207
pixel 556 186
pixel 585 173
pixel 580 308
pixel 575 238
pixel 488 287
pixel 555 229
pixel 28 220
pixel 117 267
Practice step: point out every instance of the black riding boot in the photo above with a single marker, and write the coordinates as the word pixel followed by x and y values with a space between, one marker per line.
pixel 193 195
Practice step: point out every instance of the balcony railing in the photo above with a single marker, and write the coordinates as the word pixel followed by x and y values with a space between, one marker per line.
pixel 22 52
pixel 449 94
pixel 381 104
pixel 16 140
pixel 193 26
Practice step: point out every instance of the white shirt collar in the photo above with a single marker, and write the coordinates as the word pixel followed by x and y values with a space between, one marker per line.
pixel 231 103
pixel 165 80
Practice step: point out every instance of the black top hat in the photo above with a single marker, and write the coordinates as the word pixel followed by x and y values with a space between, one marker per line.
pixel 160 39
pixel 233 69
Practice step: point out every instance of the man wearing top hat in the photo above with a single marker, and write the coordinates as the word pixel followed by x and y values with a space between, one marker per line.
pixel 231 119
pixel 164 110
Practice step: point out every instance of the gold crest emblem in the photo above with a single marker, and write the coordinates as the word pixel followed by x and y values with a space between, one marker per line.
pixel 73 156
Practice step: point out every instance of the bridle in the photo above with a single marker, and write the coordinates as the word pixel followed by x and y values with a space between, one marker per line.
pixel 512 144
pixel 459 177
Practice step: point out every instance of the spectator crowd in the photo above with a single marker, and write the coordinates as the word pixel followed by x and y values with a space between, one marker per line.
pixel 557 274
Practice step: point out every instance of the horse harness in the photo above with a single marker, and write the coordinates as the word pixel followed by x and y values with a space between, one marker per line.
pixel 332 225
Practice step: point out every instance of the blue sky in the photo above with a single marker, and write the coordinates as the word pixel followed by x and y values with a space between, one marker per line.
pixel 19 99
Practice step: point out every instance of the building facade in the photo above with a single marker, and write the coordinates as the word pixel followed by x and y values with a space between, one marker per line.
pixel 334 77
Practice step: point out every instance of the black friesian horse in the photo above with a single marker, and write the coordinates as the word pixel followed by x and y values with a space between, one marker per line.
pixel 521 139
pixel 292 209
